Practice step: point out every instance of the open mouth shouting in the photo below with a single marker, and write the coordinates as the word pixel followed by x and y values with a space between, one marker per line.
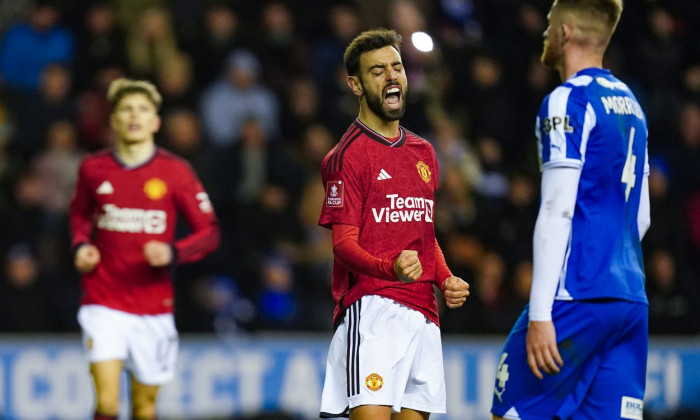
pixel 393 98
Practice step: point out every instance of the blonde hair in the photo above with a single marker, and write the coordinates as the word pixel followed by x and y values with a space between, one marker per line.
pixel 596 19
pixel 119 88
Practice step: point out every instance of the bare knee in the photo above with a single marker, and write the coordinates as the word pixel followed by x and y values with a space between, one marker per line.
pixel 495 417
pixel 144 410
pixel 107 405
pixel 143 401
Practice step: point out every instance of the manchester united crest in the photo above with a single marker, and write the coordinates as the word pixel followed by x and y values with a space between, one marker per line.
pixel 423 171
pixel 155 188
pixel 374 382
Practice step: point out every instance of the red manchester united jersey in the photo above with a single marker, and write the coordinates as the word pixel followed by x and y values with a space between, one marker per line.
pixel 387 189
pixel 119 208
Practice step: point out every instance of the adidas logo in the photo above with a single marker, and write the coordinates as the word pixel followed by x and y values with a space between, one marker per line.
pixel 105 188
pixel 383 175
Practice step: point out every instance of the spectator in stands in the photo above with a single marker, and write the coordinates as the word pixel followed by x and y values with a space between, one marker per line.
pixel 235 97
pixel 101 43
pixel 220 32
pixel 176 82
pixel 56 167
pixel 24 296
pixel 52 101
pixel 151 43
pixel 673 296
pixel 668 231
pixel 282 51
pixel 23 220
pixel 30 45
pixel 302 108
pixel 92 120
pixel 343 24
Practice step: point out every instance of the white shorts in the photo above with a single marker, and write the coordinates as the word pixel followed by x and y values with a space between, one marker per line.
pixel 148 344
pixel 384 353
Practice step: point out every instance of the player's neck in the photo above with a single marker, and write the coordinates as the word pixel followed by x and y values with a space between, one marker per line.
pixel 135 153
pixel 578 60
pixel 388 129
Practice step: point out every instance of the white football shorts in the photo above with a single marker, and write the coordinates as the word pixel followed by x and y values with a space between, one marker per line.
pixel 384 353
pixel 148 344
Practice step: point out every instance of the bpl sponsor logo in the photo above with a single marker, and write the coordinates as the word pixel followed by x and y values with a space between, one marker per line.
pixel 405 209
pixel 632 408
pixel 557 123
pixel 334 193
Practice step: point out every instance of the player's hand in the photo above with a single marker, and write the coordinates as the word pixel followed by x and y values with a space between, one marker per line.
pixel 407 267
pixel 455 290
pixel 86 258
pixel 542 351
pixel 157 253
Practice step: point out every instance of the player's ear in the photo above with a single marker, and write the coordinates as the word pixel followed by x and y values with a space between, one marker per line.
pixel 566 31
pixel 355 85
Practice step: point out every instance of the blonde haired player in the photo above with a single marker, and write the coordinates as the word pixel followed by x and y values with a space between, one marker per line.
pixel 579 349
pixel 123 217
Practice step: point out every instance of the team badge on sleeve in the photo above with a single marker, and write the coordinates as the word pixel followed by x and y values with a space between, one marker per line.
pixel 334 193
pixel 155 188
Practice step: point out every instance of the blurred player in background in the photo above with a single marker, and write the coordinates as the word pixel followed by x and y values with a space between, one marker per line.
pixel 123 220
pixel 385 359
pixel 579 349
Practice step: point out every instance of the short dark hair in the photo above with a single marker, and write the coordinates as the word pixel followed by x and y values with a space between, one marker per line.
pixel 370 40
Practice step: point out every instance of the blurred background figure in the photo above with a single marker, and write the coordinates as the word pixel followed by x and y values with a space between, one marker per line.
pixel 672 296
pixel 101 43
pixel 31 44
pixel 236 96
pixel 24 295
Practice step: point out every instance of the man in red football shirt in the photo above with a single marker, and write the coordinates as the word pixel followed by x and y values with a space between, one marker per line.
pixel 385 359
pixel 123 219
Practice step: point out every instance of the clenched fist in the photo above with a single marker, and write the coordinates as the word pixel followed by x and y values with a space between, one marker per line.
pixel 157 253
pixel 407 267
pixel 86 258
pixel 455 290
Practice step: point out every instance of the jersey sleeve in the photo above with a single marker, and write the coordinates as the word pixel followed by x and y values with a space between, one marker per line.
pixel 347 250
pixel 442 271
pixel 551 237
pixel 193 204
pixel 82 209
pixel 563 126
pixel 342 180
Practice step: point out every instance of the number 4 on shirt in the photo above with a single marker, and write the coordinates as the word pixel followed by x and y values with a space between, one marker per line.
pixel 628 176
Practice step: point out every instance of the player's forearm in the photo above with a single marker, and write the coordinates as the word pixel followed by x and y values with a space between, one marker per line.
pixel 644 215
pixel 550 242
pixel 81 229
pixel 197 245
pixel 551 238
pixel 81 217
pixel 442 271
pixel 349 253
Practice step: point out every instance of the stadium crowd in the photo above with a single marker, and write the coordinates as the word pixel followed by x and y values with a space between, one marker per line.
pixel 254 96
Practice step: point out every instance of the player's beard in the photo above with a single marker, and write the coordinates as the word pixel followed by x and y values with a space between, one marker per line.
pixel 376 105
pixel 549 57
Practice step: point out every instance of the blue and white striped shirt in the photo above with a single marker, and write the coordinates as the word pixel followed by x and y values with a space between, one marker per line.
pixel 594 123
